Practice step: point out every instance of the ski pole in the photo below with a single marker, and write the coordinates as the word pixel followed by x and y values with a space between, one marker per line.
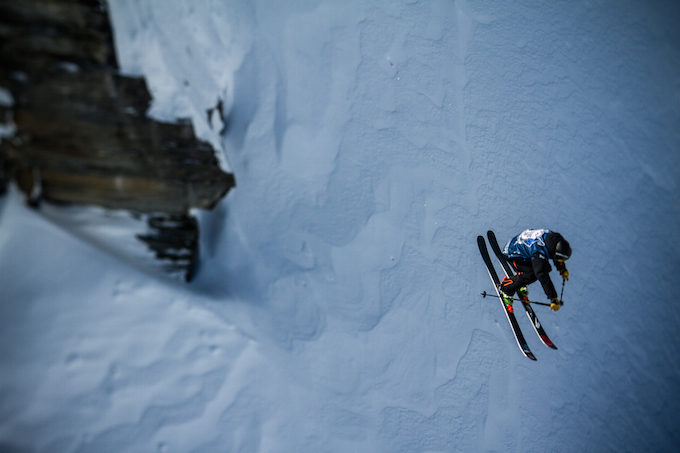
pixel 484 294
pixel 562 293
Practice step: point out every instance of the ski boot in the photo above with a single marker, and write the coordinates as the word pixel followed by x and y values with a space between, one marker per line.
pixel 507 300
pixel 523 293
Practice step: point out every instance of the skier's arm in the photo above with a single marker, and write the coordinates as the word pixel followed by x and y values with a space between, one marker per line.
pixel 542 271
pixel 562 269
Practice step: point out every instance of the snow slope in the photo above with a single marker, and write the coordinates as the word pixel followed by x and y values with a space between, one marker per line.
pixel 337 305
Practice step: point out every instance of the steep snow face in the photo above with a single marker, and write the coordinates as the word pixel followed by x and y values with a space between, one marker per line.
pixel 337 306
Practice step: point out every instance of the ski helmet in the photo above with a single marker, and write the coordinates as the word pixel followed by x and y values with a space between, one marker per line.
pixel 563 250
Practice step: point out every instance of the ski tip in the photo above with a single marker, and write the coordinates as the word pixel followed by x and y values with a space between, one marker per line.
pixel 527 352
pixel 546 341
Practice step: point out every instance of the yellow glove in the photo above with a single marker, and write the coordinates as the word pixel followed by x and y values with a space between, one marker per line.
pixel 555 304
pixel 565 274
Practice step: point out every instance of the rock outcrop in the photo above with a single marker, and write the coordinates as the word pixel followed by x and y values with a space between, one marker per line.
pixel 80 130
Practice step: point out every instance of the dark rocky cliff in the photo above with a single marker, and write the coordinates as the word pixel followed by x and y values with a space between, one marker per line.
pixel 81 133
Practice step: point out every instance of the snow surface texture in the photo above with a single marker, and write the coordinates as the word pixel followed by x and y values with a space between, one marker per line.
pixel 337 305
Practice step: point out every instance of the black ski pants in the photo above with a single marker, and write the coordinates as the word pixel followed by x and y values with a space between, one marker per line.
pixel 524 276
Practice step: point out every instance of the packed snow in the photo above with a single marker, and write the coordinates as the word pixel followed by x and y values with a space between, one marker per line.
pixel 337 306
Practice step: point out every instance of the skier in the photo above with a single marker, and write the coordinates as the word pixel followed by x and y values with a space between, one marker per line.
pixel 528 253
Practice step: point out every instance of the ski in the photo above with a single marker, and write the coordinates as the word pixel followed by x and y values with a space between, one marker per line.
pixel 521 342
pixel 527 307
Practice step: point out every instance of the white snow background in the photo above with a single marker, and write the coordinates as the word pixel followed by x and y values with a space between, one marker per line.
pixel 337 307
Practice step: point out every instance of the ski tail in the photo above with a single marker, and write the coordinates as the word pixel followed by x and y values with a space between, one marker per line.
pixel 517 332
pixel 527 307
pixel 499 253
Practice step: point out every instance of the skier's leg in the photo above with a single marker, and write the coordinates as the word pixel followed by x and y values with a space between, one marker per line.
pixel 524 276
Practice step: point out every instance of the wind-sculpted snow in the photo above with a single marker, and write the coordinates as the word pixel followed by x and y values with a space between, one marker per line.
pixel 337 306
pixel 455 425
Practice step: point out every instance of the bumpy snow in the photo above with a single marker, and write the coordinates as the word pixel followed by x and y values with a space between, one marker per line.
pixel 337 307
